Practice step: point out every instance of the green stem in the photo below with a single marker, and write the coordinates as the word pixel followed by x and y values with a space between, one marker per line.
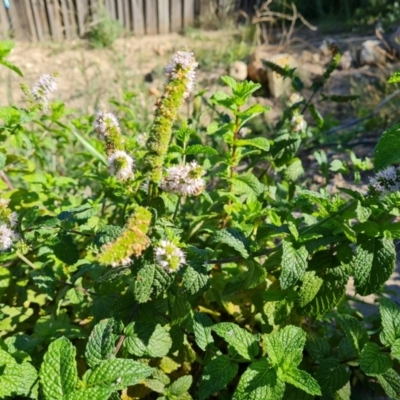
pixel 176 208
pixel 23 258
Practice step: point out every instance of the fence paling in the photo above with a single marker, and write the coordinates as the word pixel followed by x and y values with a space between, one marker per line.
pixel 138 17
pixel 176 16
pixel 151 17
pixel 163 16
pixel 4 25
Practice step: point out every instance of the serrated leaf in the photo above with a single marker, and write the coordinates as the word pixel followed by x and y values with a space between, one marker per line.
pixel 226 237
pixel 221 367
pixel 373 361
pixel 330 293
pixel 66 250
pixel 101 344
pixel 229 81
pixel 202 330
pixel 195 280
pixel 147 339
pixel 285 348
pixel 181 385
pixel 387 151
pixel 58 373
pixel 143 283
pixel 294 263
pixel 245 343
pixel 117 374
pixel 396 349
pixel 390 381
pixel 255 275
pixel 259 143
pixel 373 264
pixel 302 380
pixel 259 382
pixel 15 379
pixel 332 375
pixel 354 331
pixel 311 284
pixel 390 319
pixel 247 184
pixel 91 393
pixel 318 347
pixel 294 170
pixel 200 149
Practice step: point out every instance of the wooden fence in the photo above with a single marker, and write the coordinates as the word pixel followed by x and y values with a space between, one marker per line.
pixel 41 20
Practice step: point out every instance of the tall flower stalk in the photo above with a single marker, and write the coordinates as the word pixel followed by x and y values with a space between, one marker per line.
pixel 120 163
pixel 180 73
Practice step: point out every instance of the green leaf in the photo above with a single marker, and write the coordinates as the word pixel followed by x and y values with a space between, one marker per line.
pixel 285 348
pixel 330 293
pixel 226 237
pixel 5 278
pixel 255 275
pixel 6 47
pixel 396 349
pixel 332 375
pixel 387 151
pixel 259 143
pixel 318 347
pixel 202 330
pixel 394 78
pixel 245 343
pixel 11 66
pixel 91 393
pixel 251 112
pixel 143 283
pixel 58 373
pixel 294 263
pixel 101 343
pixel 200 149
pixel 294 169
pixel 229 81
pixel 66 250
pixel 373 264
pixel 220 367
pixel 390 317
pixel 302 380
pixel 117 374
pixel 147 339
pixel 195 280
pixel 390 382
pixel 181 385
pixel 373 361
pixel 311 285
pixel 317 117
pixel 259 382
pixel 247 184
pixel 354 331
pixel 15 379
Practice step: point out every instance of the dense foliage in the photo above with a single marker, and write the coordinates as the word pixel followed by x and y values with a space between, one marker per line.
pixel 189 263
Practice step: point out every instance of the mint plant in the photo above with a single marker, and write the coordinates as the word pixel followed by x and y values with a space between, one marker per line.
pixel 189 263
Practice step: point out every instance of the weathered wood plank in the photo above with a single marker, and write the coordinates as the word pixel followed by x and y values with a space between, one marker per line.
pixel 72 18
pixel 4 23
pixel 205 9
pixel 30 21
pixel 127 15
pixel 163 16
pixel 151 17
pixel 19 19
pixel 112 9
pixel 82 10
pixel 188 13
pixel 65 19
pixel 38 19
pixel 54 19
pixel 120 12
pixel 138 17
pixel 176 15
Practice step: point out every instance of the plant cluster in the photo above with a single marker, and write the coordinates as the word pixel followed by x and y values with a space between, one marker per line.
pixel 187 263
